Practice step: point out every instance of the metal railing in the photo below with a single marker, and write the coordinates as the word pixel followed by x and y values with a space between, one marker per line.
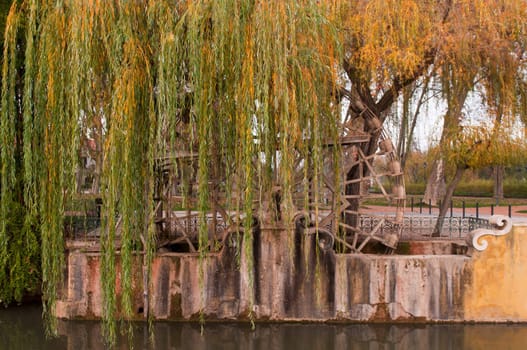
pixel 417 205
pixel 421 226
pixel 414 226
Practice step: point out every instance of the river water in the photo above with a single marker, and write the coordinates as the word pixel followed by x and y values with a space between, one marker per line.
pixel 22 328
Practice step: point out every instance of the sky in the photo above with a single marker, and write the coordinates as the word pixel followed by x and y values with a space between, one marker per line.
pixel 430 121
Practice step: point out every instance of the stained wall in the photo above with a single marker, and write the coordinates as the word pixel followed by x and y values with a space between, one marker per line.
pixel 291 280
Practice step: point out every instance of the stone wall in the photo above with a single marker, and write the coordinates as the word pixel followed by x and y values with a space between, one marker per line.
pixel 291 280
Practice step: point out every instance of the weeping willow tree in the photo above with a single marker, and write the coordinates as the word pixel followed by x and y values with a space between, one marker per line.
pixel 488 63
pixel 19 237
pixel 476 147
pixel 235 82
pixel 395 44
pixel 245 86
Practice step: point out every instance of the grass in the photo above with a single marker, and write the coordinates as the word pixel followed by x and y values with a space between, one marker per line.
pixel 470 202
pixel 478 188
pixel 457 201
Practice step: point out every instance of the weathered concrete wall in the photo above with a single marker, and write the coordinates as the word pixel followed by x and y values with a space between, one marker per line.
pixel 403 288
pixel 294 281
pixel 177 291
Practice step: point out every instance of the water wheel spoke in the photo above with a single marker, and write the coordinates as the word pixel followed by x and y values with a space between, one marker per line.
pixel 346 244
pixel 190 244
pixel 375 176
pixel 327 220
pixel 355 240
pixel 328 183
pixel 349 227
pixel 366 240
pixel 182 230
pixel 371 235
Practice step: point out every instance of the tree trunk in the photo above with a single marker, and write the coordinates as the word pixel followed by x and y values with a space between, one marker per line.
pixel 362 103
pixel 446 201
pixel 458 92
pixel 435 186
pixel 409 122
pixel 497 172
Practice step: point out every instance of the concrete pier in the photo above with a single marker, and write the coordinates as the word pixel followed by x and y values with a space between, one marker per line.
pixel 289 279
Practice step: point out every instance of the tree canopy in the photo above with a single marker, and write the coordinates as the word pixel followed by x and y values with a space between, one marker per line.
pixel 228 80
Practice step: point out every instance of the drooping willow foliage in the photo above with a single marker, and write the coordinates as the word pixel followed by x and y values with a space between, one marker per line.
pixel 244 85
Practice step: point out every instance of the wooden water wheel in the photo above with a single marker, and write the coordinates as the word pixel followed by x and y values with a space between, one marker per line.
pixel 344 195
pixel 335 200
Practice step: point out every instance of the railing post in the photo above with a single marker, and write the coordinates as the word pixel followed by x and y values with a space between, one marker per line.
pixel 510 211
pixel 460 229
pixel 451 208
pixel 430 206
pixel 477 210
pixel 412 204
pixel 421 206
pixel 492 209
pixel 463 205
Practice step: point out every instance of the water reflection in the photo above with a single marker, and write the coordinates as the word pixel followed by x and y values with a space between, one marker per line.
pixel 21 328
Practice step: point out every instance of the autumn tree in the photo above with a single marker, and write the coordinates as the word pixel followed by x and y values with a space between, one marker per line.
pixel 393 45
pixel 475 148
pixel 230 81
pixel 490 66
pixel 474 47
